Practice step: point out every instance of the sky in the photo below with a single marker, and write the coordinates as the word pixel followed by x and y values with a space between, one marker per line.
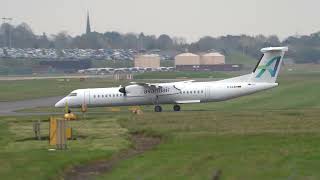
pixel 190 19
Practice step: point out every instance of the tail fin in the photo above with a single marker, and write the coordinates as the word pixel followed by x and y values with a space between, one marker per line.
pixel 269 65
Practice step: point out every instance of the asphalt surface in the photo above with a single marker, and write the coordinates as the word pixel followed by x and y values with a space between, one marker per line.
pixel 9 108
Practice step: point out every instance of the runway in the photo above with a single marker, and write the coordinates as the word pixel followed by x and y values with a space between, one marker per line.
pixel 9 108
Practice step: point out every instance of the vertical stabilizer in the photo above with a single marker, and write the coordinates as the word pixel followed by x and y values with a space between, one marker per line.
pixel 268 67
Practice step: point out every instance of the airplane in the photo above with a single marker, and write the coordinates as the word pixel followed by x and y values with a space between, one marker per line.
pixel 263 77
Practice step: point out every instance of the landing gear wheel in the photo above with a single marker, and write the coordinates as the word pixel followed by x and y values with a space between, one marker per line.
pixel 176 108
pixel 158 109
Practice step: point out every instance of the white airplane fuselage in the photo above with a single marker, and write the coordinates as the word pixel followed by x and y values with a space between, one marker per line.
pixel 170 93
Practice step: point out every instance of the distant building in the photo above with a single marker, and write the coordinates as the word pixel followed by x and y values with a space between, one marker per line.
pixel 206 62
pixel 216 67
pixel 149 60
pixel 212 58
pixel 88 30
pixel 187 59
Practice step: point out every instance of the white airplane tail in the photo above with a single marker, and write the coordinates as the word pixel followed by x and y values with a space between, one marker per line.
pixel 267 69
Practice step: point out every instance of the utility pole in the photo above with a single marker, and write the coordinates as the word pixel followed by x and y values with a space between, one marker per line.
pixel 8 20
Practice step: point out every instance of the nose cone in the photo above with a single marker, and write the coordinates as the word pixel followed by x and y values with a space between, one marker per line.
pixel 60 103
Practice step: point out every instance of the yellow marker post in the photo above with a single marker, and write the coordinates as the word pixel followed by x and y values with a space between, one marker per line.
pixel 53 131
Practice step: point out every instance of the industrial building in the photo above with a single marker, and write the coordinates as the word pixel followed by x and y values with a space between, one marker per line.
pixel 205 62
pixel 212 59
pixel 187 59
pixel 147 61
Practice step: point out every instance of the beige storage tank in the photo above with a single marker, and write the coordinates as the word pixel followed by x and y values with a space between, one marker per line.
pixel 187 59
pixel 148 60
pixel 212 59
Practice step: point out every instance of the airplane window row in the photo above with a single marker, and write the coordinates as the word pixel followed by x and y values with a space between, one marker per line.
pixel 193 92
pixel 156 91
pixel 233 86
pixel 105 96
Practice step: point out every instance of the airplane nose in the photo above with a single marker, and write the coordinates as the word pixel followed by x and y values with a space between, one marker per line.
pixel 60 103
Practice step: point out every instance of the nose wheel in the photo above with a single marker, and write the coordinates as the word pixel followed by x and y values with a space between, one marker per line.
pixel 176 108
pixel 158 109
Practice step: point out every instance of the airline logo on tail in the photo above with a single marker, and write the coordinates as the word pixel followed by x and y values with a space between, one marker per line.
pixel 272 71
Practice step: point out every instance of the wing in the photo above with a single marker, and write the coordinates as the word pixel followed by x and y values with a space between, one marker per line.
pixel 147 85
pixel 154 85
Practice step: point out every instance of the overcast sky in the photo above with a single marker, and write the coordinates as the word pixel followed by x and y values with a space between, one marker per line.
pixel 184 18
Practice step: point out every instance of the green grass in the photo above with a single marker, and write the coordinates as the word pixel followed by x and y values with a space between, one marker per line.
pixel 181 75
pixel 22 157
pixel 242 144
pixel 29 89
pixel 270 135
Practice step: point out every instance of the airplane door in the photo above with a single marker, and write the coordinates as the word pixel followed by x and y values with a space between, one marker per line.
pixel 86 98
pixel 208 93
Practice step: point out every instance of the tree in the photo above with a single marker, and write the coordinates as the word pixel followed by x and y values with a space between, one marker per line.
pixel 164 42
pixel 23 36
pixel 62 40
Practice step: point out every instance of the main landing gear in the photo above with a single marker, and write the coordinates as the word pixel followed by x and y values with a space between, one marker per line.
pixel 176 108
pixel 158 108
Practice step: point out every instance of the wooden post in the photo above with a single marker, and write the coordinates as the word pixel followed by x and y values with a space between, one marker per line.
pixel 36 129
pixel 58 134
pixel 53 131
pixel 61 135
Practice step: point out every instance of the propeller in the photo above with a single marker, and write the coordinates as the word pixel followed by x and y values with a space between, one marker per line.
pixel 123 90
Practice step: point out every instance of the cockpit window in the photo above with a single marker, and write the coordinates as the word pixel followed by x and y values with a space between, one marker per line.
pixel 73 94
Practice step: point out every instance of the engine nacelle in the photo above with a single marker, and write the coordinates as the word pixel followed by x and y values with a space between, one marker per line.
pixel 132 90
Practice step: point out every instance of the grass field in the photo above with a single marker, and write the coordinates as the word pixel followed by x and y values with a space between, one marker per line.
pixel 29 89
pixel 269 135
pixel 22 157
pixel 181 75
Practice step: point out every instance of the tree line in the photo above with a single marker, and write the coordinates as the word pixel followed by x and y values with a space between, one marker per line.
pixel 303 49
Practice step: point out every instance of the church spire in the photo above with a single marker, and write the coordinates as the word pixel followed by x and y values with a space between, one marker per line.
pixel 88 30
